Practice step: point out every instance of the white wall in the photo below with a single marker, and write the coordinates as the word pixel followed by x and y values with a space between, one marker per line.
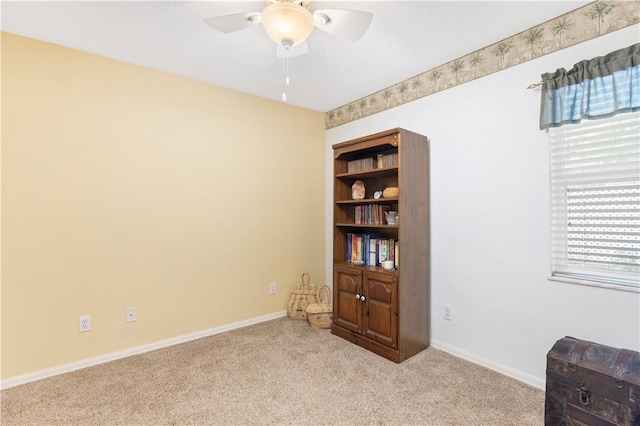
pixel 490 221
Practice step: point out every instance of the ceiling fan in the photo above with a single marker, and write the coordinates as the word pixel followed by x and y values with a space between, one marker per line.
pixel 289 23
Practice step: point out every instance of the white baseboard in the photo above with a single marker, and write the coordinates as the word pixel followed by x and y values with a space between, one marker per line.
pixel 536 382
pixel 78 365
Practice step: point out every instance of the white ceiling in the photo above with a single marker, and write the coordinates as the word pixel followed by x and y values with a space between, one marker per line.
pixel 405 39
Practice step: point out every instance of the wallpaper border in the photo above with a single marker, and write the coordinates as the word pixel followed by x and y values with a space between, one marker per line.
pixel 582 24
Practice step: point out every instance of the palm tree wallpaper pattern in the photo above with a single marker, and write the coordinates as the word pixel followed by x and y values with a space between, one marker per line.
pixel 590 21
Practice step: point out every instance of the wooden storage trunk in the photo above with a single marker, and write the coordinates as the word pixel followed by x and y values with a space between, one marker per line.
pixel 591 384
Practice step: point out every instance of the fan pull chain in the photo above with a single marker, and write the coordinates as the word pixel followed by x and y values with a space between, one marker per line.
pixel 286 79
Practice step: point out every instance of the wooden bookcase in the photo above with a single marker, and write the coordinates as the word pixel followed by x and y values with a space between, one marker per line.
pixel 386 312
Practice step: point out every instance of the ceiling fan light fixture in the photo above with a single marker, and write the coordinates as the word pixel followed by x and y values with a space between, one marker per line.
pixel 287 23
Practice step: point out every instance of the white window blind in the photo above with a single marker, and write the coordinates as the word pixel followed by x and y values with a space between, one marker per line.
pixel 595 200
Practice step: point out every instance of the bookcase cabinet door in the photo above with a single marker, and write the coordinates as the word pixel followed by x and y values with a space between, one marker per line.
pixel 380 319
pixel 347 308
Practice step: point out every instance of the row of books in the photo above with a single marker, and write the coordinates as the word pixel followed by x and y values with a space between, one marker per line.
pixel 372 249
pixel 371 214
pixel 369 163
pixel 360 165
pixel 387 160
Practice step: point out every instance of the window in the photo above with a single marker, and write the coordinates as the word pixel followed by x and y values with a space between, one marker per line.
pixel 595 201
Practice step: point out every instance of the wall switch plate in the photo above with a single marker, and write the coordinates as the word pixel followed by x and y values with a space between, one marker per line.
pixel 84 323
pixel 132 314
pixel 272 288
pixel 447 312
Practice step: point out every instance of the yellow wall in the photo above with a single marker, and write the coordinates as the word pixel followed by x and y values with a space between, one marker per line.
pixel 123 186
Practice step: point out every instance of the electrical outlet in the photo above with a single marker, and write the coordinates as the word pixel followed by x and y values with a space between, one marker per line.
pixel 272 288
pixel 84 323
pixel 132 314
pixel 447 312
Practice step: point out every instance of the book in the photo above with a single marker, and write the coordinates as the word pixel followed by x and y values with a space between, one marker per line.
pixel 384 250
pixel 372 252
pixel 361 248
pixel 360 165
pixel 365 248
pixel 371 214
pixel 370 248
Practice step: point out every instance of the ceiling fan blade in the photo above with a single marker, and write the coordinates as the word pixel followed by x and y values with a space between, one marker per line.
pixel 235 22
pixel 297 50
pixel 349 24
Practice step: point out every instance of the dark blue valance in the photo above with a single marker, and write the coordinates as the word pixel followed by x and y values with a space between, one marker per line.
pixel 597 88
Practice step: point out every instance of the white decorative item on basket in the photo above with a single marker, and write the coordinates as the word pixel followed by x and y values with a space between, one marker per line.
pixel 320 314
pixel 301 297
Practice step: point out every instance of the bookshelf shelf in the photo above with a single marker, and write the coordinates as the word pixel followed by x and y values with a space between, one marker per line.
pixel 382 172
pixel 367 268
pixel 362 225
pixel 384 311
pixel 369 201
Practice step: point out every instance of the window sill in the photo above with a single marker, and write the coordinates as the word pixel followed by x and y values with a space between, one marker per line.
pixel 611 286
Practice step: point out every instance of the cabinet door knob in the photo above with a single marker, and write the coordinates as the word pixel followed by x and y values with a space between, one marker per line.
pixel 362 298
pixel 358 296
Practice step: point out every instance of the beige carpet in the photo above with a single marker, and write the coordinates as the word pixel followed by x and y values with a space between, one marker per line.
pixel 278 372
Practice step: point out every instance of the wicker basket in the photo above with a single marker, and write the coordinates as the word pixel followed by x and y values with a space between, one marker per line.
pixel 301 297
pixel 320 314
